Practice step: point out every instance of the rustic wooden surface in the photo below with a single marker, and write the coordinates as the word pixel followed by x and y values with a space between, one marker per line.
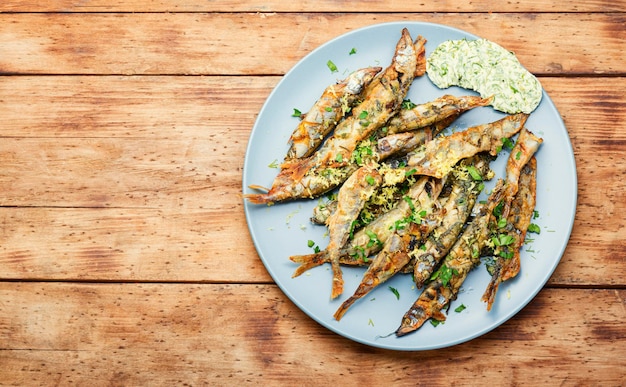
pixel 124 248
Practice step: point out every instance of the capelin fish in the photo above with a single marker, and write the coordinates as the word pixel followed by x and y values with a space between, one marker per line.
pixel 526 146
pixel 395 250
pixel 460 260
pixel 467 185
pixel 514 212
pixel 369 239
pixel 394 145
pixel 364 183
pixel 437 157
pixel 321 119
pixel 317 174
pixel 429 113
pixel 507 265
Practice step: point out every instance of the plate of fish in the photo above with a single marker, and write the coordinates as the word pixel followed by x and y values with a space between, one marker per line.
pixel 401 211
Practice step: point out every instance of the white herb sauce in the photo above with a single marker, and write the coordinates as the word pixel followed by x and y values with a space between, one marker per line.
pixel 487 68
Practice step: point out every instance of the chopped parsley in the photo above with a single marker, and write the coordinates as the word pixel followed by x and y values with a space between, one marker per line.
pixel 395 292
pixel 312 245
pixel 331 66
pixel 411 172
pixel 407 104
pixel 353 51
pixel 534 228
pixel 296 113
pixel 459 308
pixel 474 173
pixel 373 239
pixel 434 322
pixel 444 273
pixel 273 164
pixel 362 153
pixel 502 240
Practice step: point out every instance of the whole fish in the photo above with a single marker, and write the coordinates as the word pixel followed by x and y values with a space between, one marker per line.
pixel 396 145
pixel 404 241
pixel 428 113
pixel 437 157
pixel 466 252
pixel 525 147
pixel 521 214
pixel 454 216
pixel 514 214
pixel 369 239
pixel 312 176
pixel 460 260
pixel 321 119
pixel 364 182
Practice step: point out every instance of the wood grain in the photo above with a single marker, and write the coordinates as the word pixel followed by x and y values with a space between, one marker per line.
pixel 137 334
pixel 242 43
pixel 164 155
pixel 123 244
pixel 308 6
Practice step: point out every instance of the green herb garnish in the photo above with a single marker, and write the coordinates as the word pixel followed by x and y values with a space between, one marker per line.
pixel 331 66
pixel 407 104
pixel 474 173
pixel 395 291
pixel 534 228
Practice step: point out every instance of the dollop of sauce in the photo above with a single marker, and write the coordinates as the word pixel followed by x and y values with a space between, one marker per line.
pixel 487 68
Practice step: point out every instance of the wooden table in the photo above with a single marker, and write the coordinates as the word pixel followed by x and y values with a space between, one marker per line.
pixel 124 249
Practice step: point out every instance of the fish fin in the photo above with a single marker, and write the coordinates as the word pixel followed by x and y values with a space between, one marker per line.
pixel 263 198
pixel 307 262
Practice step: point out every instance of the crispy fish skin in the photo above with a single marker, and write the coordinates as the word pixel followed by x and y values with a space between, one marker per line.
pixel 460 260
pixel 518 221
pixel 455 213
pixel 395 145
pixel 315 175
pixel 526 146
pixel 363 183
pixel 428 113
pixel 521 215
pixel 356 252
pixel 437 157
pixel 517 208
pixel 395 250
pixel 324 115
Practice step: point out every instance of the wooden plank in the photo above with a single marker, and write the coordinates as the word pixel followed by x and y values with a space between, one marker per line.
pixel 119 172
pixel 129 245
pixel 138 334
pixel 217 109
pixel 199 43
pixel 308 6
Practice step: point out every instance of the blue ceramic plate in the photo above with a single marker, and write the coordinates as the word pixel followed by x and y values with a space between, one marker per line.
pixel 282 230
